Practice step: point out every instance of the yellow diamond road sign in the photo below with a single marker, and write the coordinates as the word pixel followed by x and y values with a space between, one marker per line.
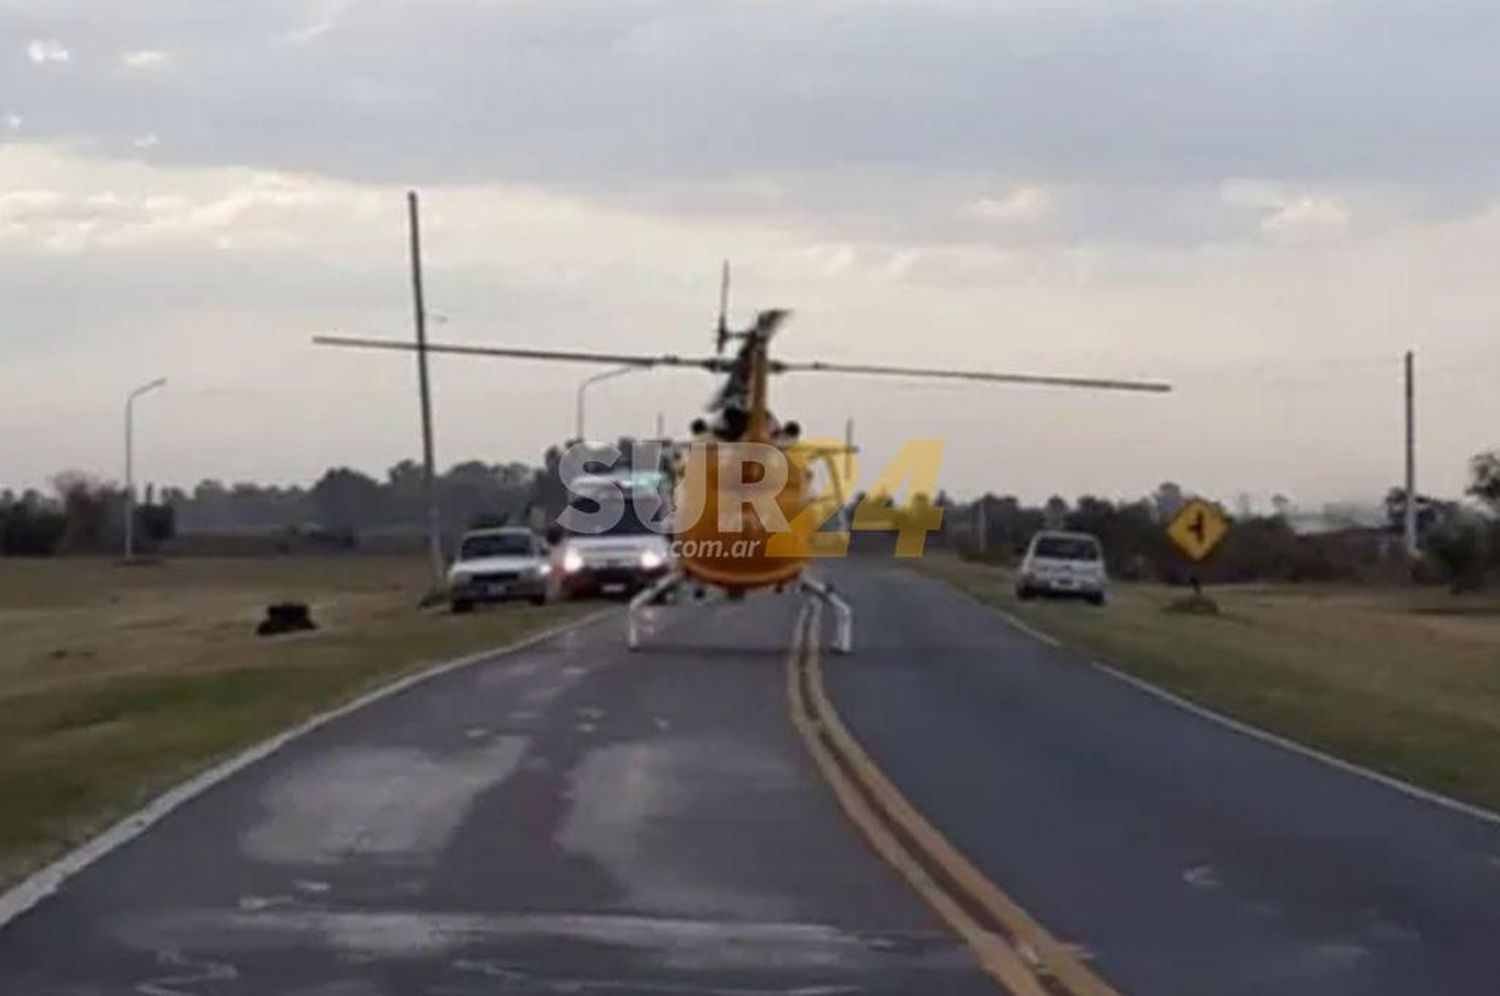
pixel 1197 528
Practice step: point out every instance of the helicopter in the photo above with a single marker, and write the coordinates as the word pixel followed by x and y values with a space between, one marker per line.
pixel 774 530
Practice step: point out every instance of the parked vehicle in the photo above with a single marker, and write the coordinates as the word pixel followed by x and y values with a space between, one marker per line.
pixel 497 565
pixel 1063 565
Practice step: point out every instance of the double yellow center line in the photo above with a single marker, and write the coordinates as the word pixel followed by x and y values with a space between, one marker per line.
pixel 1011 946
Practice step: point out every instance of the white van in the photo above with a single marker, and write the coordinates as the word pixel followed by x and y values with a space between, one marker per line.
pixel 1063 565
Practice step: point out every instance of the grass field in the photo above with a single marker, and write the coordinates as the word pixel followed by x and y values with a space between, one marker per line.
pixel 116 682
pixel 1406 681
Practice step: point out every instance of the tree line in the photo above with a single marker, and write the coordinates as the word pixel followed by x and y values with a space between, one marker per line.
pixel 1460 541
pixel 85 514
pixel 82 513
pixel 344 508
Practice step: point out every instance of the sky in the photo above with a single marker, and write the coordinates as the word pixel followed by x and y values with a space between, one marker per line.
pixel 1264 203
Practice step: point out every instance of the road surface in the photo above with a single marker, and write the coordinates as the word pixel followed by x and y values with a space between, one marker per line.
pixel 575 819
pixel 570 819
pixel 1186 857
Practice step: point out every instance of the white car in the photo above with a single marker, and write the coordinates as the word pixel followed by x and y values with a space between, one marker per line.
pixel 1064 565
pixel 496 565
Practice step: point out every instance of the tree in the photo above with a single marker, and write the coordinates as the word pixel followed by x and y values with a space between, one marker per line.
pixel 1430 512
pixel 1056 512
pixel 405 491
pixel 1129 532
pixel 346 500
pixel 89 505
pixel 1484 478
pixel 1167 499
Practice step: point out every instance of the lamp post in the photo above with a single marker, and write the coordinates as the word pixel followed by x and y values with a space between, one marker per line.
pixel 130 461
pixel 583 386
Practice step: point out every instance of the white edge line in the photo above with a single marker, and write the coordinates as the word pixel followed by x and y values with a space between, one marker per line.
pixel 1028 629
pixel 1348 767
pixel 1239 726
pixel 1010 617
pixel 42 883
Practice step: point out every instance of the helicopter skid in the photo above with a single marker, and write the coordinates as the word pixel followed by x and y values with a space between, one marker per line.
pixel 639 617
pixel 843 612
pixel 645 600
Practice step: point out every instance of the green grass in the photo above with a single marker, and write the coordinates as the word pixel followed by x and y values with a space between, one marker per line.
pixel 117 682
pixel 1406 682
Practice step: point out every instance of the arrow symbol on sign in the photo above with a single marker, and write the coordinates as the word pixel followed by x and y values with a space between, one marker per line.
pixel 1199 526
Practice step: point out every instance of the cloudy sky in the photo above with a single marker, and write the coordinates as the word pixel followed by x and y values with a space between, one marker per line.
pixel 1266 203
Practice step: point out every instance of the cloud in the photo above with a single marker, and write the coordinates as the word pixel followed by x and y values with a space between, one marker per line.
pixel 147 141
pixel 326 17
pixel 862 140
pixel 42 51
pixel 12 122
pixel 1038 184
pixel 1308 214
pixel 145 58
pixel 123 209
pixel 617 97
pixel 1287 212
pixel 1020 204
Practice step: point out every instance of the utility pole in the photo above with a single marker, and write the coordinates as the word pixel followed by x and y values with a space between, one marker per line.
pixel 1410 517
pixel 429 476
pixel 130 462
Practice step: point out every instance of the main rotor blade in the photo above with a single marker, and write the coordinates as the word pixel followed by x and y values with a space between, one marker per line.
pixel 712 364
pixel 1044 380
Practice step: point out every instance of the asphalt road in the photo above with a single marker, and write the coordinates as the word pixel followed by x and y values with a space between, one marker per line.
pixel 1186 857
pixel 568 819
pixel 576 819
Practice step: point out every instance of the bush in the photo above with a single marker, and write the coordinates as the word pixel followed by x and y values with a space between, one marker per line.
pixel 155 525
pixel 1460 551
pixel 28 530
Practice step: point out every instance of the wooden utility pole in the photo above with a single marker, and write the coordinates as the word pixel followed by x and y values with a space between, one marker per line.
pixel 1409 522
pixel 429 474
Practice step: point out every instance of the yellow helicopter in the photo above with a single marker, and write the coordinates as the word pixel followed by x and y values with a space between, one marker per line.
pixel 744 513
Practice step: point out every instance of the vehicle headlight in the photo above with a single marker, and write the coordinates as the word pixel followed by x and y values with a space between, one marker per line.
pixel 572 561
pixel 541 570
pixel 651 560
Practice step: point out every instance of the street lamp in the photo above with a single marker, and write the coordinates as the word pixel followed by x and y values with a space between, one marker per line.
pixel 596 378
pixel 130 462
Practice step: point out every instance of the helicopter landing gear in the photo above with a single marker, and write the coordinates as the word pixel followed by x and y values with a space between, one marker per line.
pixel 647 599
pixel 843 633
